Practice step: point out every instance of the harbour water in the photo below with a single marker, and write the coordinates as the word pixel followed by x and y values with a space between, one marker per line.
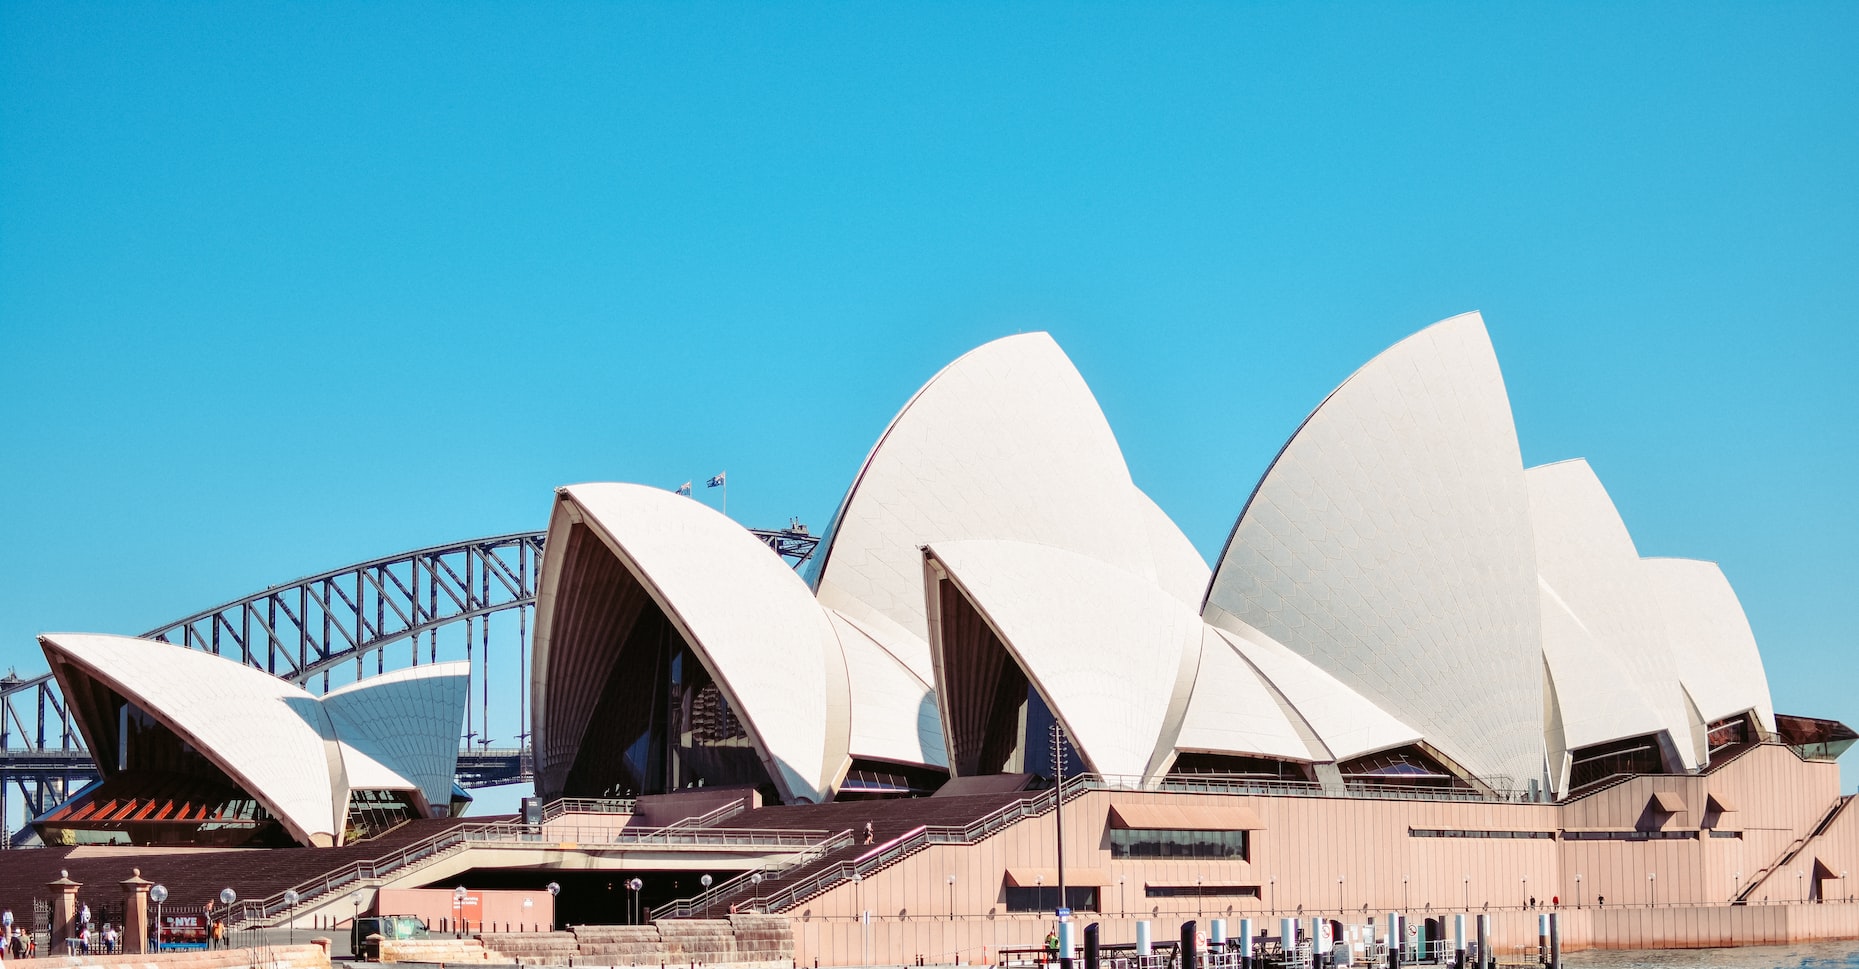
pixel 1815 955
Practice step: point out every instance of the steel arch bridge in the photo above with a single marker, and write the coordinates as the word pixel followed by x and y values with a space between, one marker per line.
pixel 306 630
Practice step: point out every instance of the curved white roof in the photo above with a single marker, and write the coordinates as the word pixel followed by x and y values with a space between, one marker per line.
pixel 1233 710
pixel 1006 443
pixel 1710 639
pixel 894 713
pixel 269 736
pixel 1596 698
pixel 1341 720
pixel 1389 543
pixel 1110 651
pixel 405 722
pixel 1591 570
pixel 1179 568
pixel 751 620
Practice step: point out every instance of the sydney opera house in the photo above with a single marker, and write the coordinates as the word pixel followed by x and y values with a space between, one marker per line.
pixel 1400 601
pixel 1418 675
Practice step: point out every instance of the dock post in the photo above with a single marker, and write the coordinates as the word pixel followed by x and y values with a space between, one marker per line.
pixel 1245 944
pixel 1287 929
pixel 1092 960
pixel 1190 943
pixel 1143 947
pixel 1394 940
pixel 1555 940
pixel 1458 941
pixel 1484 942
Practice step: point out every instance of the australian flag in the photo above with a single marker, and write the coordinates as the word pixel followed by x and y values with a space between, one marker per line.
pixel 716 482
pixel 685 489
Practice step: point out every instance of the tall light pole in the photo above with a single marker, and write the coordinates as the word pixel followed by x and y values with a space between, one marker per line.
pixel 1578 889
pixel 1058 804
pixel 1652 888
pixel 1800 888
pixel 1339 893
pixel 1123 905
pixel 755 882
pixel 458 909
pixel 1525 900
pixel 1406 897
pixel 635 885
pixel 355 898
pixel 554 890
pixel 705 881
pixel 951 898
pixel 1736 884
pixel 1271 884
pixel 1468 893
pixel 1039 891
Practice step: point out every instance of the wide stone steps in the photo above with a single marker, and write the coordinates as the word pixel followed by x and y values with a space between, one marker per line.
pixel 737 939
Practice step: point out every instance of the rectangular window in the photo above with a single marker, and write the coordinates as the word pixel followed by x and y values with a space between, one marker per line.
pixel 1460 833
pixel 1038 899
pixel 1138 843
pixel 1203 891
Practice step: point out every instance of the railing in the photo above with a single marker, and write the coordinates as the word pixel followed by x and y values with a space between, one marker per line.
pixel 364 874
pixel 712 816
pixel 587 805
pixel 1219 784
pixel 746 884
pixel 915 840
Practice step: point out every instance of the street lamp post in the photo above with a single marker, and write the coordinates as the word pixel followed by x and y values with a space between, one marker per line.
pixel 1800 888
pixel 1652 888
pixel 1468 893
pixel 951 898
pixel 1525 900
pixel 1271 884
pixel 1339 893
pixel 635 885
pixel 1039 892
pixel 1406 896
pixel 705 881
pixel 1123 905
pixel 1578 889
pixel 355 898
pixel 458 909
pixel 555 889
pixel 291 898
pixel 226 897
pixel 755 883
pixel 1199 905
pixel 1736 884
pixel 160 894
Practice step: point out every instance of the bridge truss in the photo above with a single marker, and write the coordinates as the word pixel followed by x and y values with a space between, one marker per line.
pixel 342 623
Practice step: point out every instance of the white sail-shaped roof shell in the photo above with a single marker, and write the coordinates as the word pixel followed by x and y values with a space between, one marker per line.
pixel 1006 443
pixel 298 754
pixel 1590 569
pixel 1234 710
pixel 406 725
pixel 894 714
pixel 1710 640
pixel 271 737
pixel 1389 544
pixel 1110 652
pixel 752 622
pixel 1345 723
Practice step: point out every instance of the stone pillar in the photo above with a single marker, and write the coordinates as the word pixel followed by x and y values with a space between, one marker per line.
pixel 135 913
pixel 64 911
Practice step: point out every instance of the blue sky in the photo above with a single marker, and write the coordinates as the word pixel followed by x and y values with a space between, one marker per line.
pixel 287 286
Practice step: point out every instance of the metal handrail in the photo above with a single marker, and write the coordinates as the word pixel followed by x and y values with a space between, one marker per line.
pixel 746 883
pixel 587 805
pixel 357 874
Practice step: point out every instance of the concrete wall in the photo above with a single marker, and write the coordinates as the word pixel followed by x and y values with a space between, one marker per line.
pixel 260 957
pixel 483 910
pixel 1307 844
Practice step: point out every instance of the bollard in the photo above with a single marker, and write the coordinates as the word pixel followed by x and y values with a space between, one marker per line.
pixel 1318 929
pixel 1216 933
pixel 1287 928
pixel 1091 958
pixel 1458 941
pixel 1394 941
pixel 1190 939
pixel 1245 944
pixel 1143 948
pixel 1484 941
pixel 1066 944
pixel 1542 939
pixel 1555 940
